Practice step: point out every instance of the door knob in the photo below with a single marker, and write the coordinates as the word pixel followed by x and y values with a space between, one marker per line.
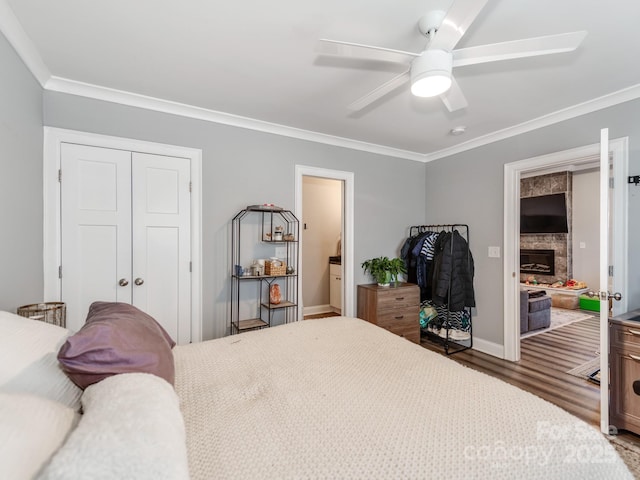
pixel 605 295
pixel 123 282
pixel 138 281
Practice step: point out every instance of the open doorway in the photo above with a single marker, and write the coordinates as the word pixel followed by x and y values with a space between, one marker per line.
pixel 346 183
pixel 567 160
pixel 321 234
pixel 559 246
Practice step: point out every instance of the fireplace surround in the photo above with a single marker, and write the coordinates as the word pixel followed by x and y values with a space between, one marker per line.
pixel 537 261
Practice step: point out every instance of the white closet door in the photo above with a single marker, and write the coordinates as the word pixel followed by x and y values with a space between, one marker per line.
pixel 96 228
pixel 162 241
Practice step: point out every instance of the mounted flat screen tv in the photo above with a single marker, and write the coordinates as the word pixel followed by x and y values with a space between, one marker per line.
pixel 544 214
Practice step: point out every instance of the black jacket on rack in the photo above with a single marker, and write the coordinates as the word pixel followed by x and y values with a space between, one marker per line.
pixel 453 268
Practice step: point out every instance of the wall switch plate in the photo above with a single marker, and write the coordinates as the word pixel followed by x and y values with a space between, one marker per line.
pixel 494 252
pixel 583 245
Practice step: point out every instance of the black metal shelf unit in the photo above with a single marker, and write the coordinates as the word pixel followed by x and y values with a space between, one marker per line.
pixel 452 327
pixel 274 227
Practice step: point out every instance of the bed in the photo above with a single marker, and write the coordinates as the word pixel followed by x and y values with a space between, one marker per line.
pixel 342 398
pixel 328 398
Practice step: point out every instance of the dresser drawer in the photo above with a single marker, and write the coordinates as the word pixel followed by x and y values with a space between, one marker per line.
pixel 395 298
pixel 401 316
pixel 410 332
pixel 625 336
pixel 403 322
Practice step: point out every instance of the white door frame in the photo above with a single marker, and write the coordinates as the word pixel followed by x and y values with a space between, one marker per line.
pixel 53 139
pixel 619 150
pixel 347 231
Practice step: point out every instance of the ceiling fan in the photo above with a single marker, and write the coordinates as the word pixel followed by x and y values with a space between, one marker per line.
pixel 430 70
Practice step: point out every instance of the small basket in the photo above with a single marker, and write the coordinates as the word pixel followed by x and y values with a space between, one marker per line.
pixel 271 269
pixel 48 312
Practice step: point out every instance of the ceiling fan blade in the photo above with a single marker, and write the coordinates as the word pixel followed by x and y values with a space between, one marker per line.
pixel 456 22
pixel 453 98
pixel 528 47
pixel 380 92
pixel 366 52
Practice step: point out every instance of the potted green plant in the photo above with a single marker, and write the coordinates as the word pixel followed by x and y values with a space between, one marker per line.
pixel 384 270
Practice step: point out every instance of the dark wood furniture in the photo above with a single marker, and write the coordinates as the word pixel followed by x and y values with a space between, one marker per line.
pixel 395 308
pixel 624 369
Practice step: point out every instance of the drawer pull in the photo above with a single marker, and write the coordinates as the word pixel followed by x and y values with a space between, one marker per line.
pixel 399 298
pixel 402 316
pixel 633 332
pixel 634 357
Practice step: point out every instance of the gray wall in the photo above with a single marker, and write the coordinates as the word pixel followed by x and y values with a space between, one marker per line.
pixel 468 188
pixel 244 167
pixel 21 280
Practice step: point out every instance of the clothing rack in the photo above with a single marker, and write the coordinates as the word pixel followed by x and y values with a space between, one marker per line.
pixel 455 244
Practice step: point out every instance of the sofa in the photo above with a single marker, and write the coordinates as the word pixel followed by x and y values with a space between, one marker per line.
pixel 535 310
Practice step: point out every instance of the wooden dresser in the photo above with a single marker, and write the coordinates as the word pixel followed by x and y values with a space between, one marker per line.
pixel 624 369
pixel 395 308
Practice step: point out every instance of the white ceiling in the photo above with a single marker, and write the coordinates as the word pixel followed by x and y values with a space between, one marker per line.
pixel 257 59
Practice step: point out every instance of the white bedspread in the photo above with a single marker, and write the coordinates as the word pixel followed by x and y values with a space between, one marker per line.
pixel 341 398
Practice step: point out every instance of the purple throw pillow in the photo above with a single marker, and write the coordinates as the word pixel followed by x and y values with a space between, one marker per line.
pixel 117 338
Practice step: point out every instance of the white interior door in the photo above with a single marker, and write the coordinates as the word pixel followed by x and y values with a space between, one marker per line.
pixel 126 234
pixel 604 280
pixel 96 228
pixel 161 241
pixel 607 282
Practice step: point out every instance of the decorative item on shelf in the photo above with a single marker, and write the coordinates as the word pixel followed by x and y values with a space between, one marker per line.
pixel 267 237
pixel 48 312
pixel 275 296
pixel 290 270
pixel 275 266
pixel 257 268
pixel 289 237
pixel 268 207
pixel 239 270
pixel 277 234
pixel 384 270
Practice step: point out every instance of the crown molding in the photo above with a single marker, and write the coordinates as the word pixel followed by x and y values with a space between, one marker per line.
pixel 605 101
pixel 65 85
pixel 22 44
pixel 15 34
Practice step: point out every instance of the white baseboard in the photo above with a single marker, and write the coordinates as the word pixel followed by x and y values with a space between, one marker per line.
pixel 490 348
pixel 317 309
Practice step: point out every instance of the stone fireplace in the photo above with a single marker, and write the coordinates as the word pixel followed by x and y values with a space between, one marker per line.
pixel 558 243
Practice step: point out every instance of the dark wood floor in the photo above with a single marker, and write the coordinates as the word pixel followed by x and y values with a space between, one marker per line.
pixel 545 359
pixel 321 315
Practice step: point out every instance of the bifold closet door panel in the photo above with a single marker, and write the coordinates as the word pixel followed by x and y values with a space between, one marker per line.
pixel 162 241
pixel 95 229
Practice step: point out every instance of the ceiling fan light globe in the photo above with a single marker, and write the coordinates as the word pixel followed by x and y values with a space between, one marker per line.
pixel 431 73
pixel 431 84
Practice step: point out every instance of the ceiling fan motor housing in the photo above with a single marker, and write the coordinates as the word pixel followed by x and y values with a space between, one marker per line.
pixel 430 22
pixel 431 73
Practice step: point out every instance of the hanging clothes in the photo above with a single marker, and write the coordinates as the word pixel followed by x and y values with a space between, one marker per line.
pixel 418 252
pixel 453 272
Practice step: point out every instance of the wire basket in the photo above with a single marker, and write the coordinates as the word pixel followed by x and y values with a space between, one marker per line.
pixel 48 312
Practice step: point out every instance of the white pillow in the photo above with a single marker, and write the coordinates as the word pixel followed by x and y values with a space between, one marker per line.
pixel 131 428
pixel 28 360
pixel 32 428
